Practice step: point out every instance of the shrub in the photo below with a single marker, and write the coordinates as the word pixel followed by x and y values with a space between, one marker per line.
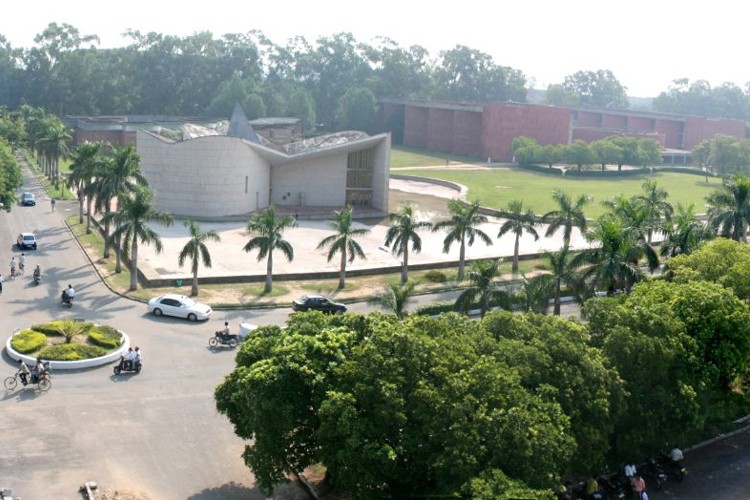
pixel 71 352
pixel 435 276
pixel 105 336
pixel 28 341
pixel 436 308
pixel 51 328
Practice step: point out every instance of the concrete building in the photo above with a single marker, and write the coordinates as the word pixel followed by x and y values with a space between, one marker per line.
pixel 486 130
pixel 213 176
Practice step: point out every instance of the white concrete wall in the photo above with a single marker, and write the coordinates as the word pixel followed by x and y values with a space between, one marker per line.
pixel 319 181
pixel 205 177
pixel 381 174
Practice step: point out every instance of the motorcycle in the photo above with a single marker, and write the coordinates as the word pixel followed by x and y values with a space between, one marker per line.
pixel 654 474
pixel 128 367
pixel 37 278
pixel 66 300
pixel 221 338
pixel 675 470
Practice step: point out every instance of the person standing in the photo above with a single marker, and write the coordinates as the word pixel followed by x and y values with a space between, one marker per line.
pixel 22 262
pixel 1 283
pixel 52 202
pixel 639 487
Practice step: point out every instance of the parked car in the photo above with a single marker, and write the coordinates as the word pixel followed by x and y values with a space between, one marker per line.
pixel 26 240
pixel 317 303
pixel 171 304
pixel 28 200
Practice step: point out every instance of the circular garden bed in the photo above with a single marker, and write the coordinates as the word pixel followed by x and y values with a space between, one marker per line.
pixel 76 344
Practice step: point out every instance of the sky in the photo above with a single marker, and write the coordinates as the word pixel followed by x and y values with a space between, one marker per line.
pixel 647 44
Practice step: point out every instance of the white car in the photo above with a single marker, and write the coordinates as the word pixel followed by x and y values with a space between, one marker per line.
pixel 180 306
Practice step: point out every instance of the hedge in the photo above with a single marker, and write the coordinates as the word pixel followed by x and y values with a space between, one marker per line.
pixel 105 336
pixel 435 276
pixel 28 341
pixel 71 352
pixel 607 173
pixel 51 328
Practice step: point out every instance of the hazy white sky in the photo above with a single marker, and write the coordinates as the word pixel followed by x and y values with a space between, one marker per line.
pixel 645 43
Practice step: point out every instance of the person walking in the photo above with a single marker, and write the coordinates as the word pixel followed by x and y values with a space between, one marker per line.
pixel 53 202
pixel 1 283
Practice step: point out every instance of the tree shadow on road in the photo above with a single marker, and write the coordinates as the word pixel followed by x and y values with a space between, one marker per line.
pixel 229 491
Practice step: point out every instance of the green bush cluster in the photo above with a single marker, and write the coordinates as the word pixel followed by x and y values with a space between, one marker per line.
pixel 51 328
pixel 28 341
pixel 105 336
pixel 435 276
pixel 71 352
pixel 436 308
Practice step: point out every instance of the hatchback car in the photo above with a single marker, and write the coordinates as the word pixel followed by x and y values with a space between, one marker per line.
pixel 26 240
pixel 28 200
pixel 317 303
pixel 180 306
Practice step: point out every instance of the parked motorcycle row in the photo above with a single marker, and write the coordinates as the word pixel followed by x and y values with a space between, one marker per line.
pixel 656 472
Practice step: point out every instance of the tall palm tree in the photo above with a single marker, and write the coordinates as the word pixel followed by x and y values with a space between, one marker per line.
pixel 568 215
pixel 517 222
pixel 402 234
pixel 462 228
pixel 684 233
pixel 83 167
pixel 120 176
pixel 654 198
pixel 561 272
pixel 131 220
pixel 270 228
pixel 196 250
pixel 535 293
pixel 55 144
pixel 729 208
pixel 394 298
pixel 343 242
pixel 484 289
pixel 614 263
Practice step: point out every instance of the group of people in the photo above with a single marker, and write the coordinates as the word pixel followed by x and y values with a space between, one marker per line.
pixel 35 373
pixel 17 267
pixel 131 359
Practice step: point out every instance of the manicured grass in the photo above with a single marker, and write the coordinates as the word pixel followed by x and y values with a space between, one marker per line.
pixel 402 157
pixel 496 187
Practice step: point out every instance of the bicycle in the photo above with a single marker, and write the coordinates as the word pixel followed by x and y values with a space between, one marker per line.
pixel 44 381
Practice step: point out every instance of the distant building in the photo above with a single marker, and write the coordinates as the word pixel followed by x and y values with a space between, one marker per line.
pixel 212 175
pixel 486 130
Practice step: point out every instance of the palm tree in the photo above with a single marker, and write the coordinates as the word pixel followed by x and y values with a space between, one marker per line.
pixel 402 234
pixel 535 293
pixel 343 241
pixel 517 222
pixel 84 166
pixel 55 144
pixel 120 176
pixel 561 272
pixel 131 221
pixel 685 232
pixel 729 208
pixel 71 329
pixel 394 298
pixel 613 264
pixel 654 199
pixel 462 226
pixel 568 215
pixel 196 250
pixel 483 289
pixel 269 228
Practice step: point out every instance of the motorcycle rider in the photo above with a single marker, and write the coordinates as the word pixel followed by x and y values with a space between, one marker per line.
pixel 226 333
pixel 137 358
pixel 126 361
pixel 37 273
pixel 68 294
pixel 37 371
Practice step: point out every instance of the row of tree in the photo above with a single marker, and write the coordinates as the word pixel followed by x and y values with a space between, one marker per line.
pixel 332 83
pixel 613 150
pixel 723 154
pixel 505 407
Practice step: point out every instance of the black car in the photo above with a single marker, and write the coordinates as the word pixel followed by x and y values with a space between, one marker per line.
pixel 317 303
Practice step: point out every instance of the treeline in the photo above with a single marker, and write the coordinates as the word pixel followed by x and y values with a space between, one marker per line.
pixel 505 407
pixel 332 83
pixel 613 150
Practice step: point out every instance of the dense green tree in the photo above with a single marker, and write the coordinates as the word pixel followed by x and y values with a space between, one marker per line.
pixel 684 233
pixel 484 290
pixel 196 250
pixel 462 228
pixel 401 237
pixel 550 154
pixel 579 153
pixel 343 241
pixel 569 214
pixel 597 89
pixel 729 208
pixel 561 272
pixel 135 212
pixel 558 95
pixel 698 98
pixel 518 221
pixel 606 152
pixel 554 359
pixel 268 228
pixel 525 150
pixel 10 176
pixel 356 110
pixel 533 294
pixel 55 147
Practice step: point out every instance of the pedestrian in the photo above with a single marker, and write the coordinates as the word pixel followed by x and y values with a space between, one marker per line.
pixel 1 283
pixel 639 487
pixel 22 263
pixel 52 202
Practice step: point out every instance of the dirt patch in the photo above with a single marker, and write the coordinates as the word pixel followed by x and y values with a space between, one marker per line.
pixel 122 495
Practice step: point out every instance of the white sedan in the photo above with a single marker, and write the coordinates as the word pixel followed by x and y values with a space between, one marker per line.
pixel 180 306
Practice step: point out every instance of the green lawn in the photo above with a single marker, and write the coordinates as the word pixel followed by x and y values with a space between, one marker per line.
pixel 495 188
pixel 402 157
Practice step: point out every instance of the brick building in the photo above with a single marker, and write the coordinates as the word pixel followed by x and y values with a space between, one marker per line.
pixel 486 130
